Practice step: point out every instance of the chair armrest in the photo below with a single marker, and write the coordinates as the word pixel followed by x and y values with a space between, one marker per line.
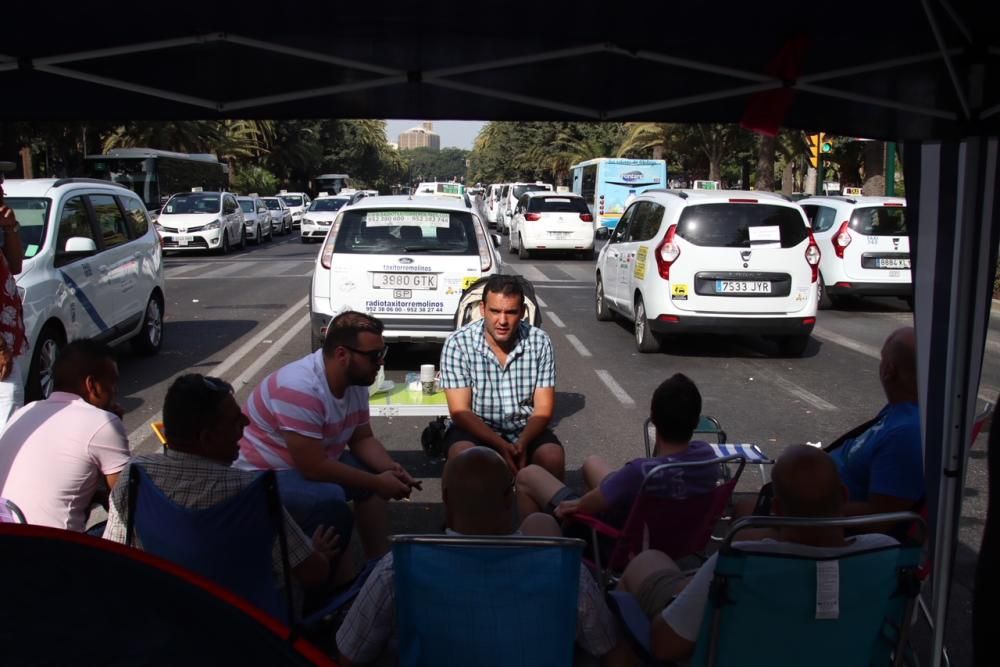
pixel 596 524
pixel 626 607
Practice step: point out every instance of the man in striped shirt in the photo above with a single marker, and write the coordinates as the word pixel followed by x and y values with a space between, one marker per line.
pixel 309 421
pixel 499 374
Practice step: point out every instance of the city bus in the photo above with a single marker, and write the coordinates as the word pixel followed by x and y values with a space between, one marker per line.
pixel 155 175
pixel 608 184
pixel 331 184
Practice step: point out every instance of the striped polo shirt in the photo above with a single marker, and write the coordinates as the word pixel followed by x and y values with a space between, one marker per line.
pixel 297 398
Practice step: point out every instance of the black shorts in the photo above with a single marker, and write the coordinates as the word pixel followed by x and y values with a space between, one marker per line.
pixel 455 434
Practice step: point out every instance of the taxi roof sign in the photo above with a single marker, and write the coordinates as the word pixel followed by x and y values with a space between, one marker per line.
pixel 852 192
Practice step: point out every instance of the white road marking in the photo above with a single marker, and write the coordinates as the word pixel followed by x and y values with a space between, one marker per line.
pixel 541 303
pixel 222 271
pixel 139 435
pixel 259 363
pixel 174 271
pixel 530 273
pixel 555 319
pixel 580 272
pixel 614 387
pixel 575 342
pixel 805 395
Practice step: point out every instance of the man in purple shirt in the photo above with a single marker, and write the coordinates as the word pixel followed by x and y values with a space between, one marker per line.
pixel 675 411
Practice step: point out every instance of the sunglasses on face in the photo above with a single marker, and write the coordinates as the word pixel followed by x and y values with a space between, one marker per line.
pixel 374 356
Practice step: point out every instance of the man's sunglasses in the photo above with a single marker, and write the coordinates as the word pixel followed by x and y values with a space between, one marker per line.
pixel 374 356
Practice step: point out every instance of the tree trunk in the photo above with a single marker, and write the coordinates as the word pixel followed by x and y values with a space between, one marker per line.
pixel 810 183
pixel 788 179
pixel 874 184
pixel 27 170
pixel 765 164
pixel 659 151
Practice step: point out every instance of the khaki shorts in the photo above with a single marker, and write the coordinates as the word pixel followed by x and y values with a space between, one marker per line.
pixel 658 590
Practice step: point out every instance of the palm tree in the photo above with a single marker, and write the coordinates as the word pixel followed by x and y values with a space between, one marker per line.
pixel 642 137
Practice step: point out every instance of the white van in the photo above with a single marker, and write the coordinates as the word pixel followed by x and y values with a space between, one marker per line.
pixel 93 268
pixel 512 192
pixel 404 260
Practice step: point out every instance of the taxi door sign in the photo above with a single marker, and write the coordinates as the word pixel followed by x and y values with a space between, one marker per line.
pixel 467 281
pixel 640 262
pixel 679 291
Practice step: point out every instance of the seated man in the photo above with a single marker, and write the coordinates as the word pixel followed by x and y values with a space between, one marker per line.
pixel 499 374
pixel 675 410
pixel 309 421
pixel 806 484
pixel 203 424
pixel 477 490
pixel 55 453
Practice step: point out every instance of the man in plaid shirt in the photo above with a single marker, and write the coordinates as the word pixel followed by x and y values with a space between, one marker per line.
pixel 499 374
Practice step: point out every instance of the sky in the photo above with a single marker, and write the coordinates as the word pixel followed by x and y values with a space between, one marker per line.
pixel 454 133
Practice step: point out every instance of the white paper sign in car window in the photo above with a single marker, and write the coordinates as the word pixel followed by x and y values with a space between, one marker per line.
pixel 557 200
pixel 765 236
pixel 408 218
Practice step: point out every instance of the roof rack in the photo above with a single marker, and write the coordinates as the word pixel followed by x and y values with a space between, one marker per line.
pixel 676 193
pixel 97 181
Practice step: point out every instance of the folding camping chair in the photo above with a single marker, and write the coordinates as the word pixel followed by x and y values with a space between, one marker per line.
pixel 10 513
pixel 753 595
pixel 710 426
pixel 489 602
pixel 677 527
pixel 468 304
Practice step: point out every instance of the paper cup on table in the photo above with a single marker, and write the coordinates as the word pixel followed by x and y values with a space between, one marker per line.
pixel 427 378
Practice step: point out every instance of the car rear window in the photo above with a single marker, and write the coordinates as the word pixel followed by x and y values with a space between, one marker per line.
pixel 521 189
pixel 557 205
pixel 879 220
pixel 327 205
pixel 247 206
pixel 292 200
pixel 726 225
pixel 272 204
pixel 380 232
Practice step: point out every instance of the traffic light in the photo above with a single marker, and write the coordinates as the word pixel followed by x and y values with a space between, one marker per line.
pixel 814 149
pixel 825 143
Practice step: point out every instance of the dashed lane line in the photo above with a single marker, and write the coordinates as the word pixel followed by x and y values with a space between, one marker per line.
pixel 540 302
pixel 806 395
pixel 263 359
pixel 139 435
pixel 578 346
pixel 615 388
pixel 555 319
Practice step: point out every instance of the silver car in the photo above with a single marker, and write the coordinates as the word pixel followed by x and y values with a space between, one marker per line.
pixel 257 218
pixel 281 215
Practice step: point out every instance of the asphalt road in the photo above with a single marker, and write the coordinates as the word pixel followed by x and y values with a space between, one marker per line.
pixel 242 316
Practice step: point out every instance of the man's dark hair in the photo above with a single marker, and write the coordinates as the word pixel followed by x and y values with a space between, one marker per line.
pixel 676 408
pixel 77 361
pixel 192 405
pixel 345 328
pixel 504 285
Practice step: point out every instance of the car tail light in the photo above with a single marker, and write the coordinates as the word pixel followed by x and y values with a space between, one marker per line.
pixel 532 216
pixel 842 238
pixel 806 321
pixel 812 257
pixel 672 319
pixel 586 217
pixel 326 256
pixel 742 201
pixel 667 253
pixel 485 258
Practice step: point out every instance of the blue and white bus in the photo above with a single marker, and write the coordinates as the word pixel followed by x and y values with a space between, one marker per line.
pixel 607 184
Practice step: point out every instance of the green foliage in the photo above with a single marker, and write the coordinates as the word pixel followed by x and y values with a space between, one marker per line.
pixel 427 164
pixel 255 179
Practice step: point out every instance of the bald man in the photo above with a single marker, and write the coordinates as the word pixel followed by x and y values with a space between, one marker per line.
pixel 807 484
pixel 883 467
pixel 478 492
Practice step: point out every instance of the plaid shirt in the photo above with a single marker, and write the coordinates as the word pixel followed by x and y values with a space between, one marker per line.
pixel 370 626
pixel 502 396
pixel 197 483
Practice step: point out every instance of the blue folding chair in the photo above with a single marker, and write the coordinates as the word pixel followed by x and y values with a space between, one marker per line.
pixel 762 609
pixel 229 543
pixel 488 602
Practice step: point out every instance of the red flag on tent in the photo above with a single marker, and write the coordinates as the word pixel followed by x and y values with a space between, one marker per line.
pixel 766 111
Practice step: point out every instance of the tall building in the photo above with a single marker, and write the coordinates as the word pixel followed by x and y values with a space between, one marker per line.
pixel 420 137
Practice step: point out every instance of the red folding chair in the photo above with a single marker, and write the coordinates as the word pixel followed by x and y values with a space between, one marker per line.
pixel 677 527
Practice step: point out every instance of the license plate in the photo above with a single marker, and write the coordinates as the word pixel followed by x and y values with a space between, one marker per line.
pixel 892 263
pixel 185 239
pixel 559 235
pixel 425 281
pixel 402 294
pixel 742 287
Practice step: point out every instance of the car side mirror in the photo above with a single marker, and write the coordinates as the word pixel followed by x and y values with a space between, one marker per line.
pixel 602 232
pixel 80 244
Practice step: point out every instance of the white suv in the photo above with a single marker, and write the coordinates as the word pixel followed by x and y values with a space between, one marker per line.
pixel 511 194
pixel 92 268
pixel 711 261
pixel 551 221
pixel 865 246
pixel 405 260
pixel 202 221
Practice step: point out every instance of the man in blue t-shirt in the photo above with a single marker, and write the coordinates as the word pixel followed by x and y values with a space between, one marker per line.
pixel 883 467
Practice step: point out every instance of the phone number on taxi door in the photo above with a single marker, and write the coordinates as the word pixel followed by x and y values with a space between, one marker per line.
pixel 384 306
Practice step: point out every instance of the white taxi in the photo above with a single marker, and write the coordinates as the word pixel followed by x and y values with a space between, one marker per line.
pixel 320 215
pixel 405 260
pixel 202 221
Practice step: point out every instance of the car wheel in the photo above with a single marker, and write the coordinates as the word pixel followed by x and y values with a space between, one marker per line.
pixel 645 339
pixel 909 302
pixel 601 309
pixel 224 248
pixel 588 255
pixel 270 232
pixel 793 346
pixel 150 337
pixel 39 384
pixel 522 252
pixel 825 302
pixel 510 245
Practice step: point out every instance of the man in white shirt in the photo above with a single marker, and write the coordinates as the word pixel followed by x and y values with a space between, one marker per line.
pixel 54 453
